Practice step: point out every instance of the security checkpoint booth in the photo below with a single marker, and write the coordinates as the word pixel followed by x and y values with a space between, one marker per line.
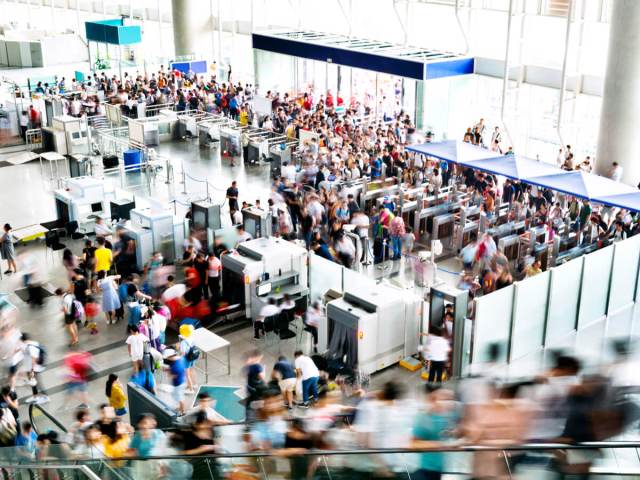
pixel 520 241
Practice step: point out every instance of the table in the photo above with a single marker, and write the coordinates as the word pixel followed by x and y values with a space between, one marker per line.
pixel 28 233
pixel 208 342
pixel 52 157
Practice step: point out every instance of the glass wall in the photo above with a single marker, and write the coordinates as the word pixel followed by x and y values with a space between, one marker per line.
pixel 381 94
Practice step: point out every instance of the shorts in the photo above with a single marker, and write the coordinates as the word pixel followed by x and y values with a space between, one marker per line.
pixel 178 392
pixel 68 320
pixel 13 369
pixel 287 385
pixel 77 387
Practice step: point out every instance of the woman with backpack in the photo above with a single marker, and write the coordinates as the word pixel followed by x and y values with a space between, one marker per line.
pixel 189 351
pixel 72 310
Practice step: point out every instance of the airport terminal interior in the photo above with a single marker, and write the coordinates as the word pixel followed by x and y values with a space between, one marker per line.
pixel 319 239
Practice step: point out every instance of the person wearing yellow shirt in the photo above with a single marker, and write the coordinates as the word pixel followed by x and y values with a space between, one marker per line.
pixel 115 394
pixel 534 269
pixel 244 116
pixel 103 255
pixel 117 445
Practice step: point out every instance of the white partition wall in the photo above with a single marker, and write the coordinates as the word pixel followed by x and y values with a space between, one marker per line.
pixel 579 306
pixel 596 277
pixel 564 298
pixel 323 275
pixel 492 323
pixel 624 275
pixel 529 316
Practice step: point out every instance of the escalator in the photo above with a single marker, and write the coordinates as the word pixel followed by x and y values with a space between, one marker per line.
pixel 612 460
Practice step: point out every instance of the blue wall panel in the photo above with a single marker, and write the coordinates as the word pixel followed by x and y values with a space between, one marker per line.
pixel 113 31
pixel 449 68
pixel 197 66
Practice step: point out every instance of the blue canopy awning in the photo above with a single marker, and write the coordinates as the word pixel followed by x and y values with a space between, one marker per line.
pixel 628 201
pixel 453 151
pixel 581 184
pixel 515 167
pixel 577 183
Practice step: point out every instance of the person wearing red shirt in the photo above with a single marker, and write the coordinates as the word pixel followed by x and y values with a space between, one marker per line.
pixel 329 101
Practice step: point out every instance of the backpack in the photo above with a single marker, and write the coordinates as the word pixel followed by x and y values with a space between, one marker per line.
pixel 77 310
pixel 42 355
pixel 193 354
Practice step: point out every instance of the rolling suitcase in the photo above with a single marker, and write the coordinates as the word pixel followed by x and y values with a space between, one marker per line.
pixel 110 161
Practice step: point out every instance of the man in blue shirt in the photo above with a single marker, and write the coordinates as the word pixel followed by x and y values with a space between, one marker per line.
pixel 178 370
pixel 286 374
pixel 433 425
pixel 27 439
pixel 376 168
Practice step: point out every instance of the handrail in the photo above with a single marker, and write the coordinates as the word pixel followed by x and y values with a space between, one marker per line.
pixel 48 466
pixel 46 414
pixel 538 447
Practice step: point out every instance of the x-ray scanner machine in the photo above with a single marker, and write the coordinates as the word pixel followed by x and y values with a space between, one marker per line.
pixel 260 264
pixel 371 328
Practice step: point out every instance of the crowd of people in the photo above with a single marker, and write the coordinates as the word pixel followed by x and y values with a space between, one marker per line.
pixel 306 404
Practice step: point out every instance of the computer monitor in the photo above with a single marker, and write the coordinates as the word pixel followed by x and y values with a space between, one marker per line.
pixel 263 289
pixel 96 207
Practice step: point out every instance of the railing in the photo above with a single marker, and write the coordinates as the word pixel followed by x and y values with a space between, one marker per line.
pixel 458 461
pixel 332 463
pixel 34 139
pixel 42 420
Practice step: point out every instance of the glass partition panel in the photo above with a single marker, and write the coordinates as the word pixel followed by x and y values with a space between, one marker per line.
pixel 590 342
pixel 618 327
pixel 492 323
pixel 624 273
pixel 564 296
pixel 529 315
pixel 323 275
pixel 595 286
pixel 361 280
pixel 274 71
pixel 527 366
pixel 635 320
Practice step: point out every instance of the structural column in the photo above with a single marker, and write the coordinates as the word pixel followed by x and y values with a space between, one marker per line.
pixel 620 118
pixel 189 26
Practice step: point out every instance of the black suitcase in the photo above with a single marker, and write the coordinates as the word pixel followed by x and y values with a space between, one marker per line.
pixel 380 251
pixel 110 161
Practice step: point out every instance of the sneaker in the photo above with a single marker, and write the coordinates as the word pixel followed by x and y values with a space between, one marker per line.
pixel 8 272
pixel 303 405
pixel 40 399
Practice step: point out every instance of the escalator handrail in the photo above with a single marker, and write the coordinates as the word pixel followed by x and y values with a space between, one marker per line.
pixel 59 425
pixel 86 471
pixel 538 447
